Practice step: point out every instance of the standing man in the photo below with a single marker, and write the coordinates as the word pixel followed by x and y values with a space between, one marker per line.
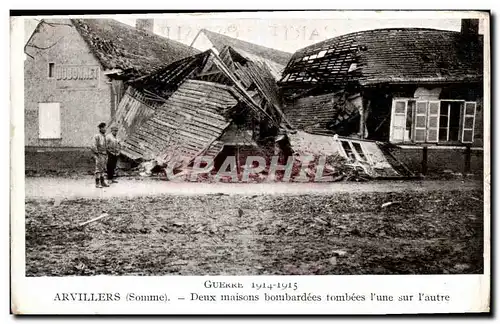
pixel 100 155
pixel 113 147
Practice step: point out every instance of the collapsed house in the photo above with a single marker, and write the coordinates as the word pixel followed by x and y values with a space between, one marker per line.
pixel 414 88
pixel 208 104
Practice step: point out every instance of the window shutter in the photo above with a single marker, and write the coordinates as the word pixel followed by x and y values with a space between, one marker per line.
pixel 433 122
pixel 398 121
pixel 468 122
pixel 421 121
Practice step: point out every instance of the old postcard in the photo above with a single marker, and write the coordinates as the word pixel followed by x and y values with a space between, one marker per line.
pixel 293 162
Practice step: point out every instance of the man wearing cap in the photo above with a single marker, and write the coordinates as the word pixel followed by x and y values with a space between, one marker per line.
pixel 113 148
pixel 100 154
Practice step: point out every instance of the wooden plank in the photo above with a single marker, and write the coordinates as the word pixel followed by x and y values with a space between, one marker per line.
pixel 143 141
pixel 203 130
pixel 150 134
pixel 191 135
pixel 192 107
pixel 132 143
pixel 196 101
pixel 194 146
pixel 210 93
pixel 207 90
pixel 157 134
pixel 164 122
pixel 188 137
pixel 201 110
pixel 207 120
pixel 198 83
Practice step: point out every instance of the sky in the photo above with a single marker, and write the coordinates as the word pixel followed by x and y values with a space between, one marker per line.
pixel 287 33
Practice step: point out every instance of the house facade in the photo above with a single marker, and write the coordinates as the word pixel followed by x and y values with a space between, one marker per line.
pixel 418 89
pixel 75 76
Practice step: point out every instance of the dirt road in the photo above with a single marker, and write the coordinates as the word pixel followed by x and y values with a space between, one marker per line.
pixel 161 228
pixel 84 188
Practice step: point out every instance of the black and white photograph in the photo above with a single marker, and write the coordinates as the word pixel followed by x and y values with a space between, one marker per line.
pixel 219 144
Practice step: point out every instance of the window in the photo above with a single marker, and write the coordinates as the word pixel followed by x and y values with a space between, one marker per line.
pixel 359 150
pixel 432 121
pixel 444 121
pixel 449 120
pixel 51 70
pixel 49 120
pixel 347 149
pixel 354 150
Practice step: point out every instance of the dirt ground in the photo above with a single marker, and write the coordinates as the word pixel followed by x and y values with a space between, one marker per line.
pixel 430 227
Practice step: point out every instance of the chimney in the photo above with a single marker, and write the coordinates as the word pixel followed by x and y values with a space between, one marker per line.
pixel 145 24
pixel 470 27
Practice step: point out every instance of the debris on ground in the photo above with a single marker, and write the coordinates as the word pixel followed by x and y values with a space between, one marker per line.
pixel 339 252
pixel 389 203
pixel 94 219
pixel 429 232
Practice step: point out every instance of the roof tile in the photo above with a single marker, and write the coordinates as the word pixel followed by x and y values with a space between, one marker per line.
pixel 120 46
pixel 392 55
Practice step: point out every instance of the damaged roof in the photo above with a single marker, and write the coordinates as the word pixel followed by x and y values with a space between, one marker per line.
pixel 396 55
pixel 165 80
pixel 120 46
pixel 182 110
pixel 220 41
pixel 253 77
pixel 185 126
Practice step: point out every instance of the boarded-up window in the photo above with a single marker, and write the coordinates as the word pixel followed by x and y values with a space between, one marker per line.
pixel 468 123
pixel 49 120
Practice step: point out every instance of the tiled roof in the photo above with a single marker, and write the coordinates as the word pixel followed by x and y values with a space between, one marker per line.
pixel 120 46
pixel 220 41
pixel 165 80
pixel 403 55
